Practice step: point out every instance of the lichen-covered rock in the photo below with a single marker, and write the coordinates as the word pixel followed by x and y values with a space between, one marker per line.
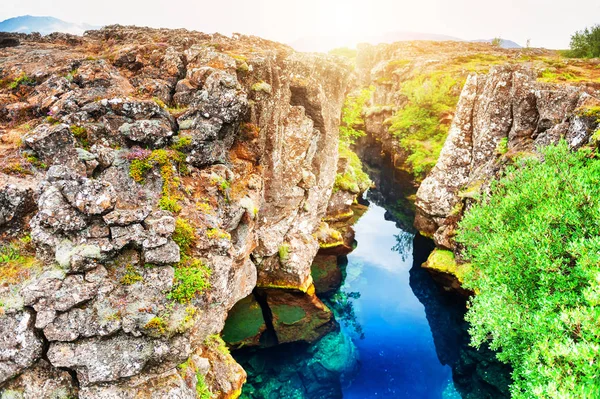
pixel 298 316
pixel 116 357
pixel 20 347
pixel 16 201
pixel 144 251
pixel 54 145
pixel 500 116
pixel 42 381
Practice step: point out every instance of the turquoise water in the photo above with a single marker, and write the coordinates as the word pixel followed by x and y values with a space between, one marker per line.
pixel 400 335
pixel 397 354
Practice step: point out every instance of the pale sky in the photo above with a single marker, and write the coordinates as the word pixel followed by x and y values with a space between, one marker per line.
pixel 548 23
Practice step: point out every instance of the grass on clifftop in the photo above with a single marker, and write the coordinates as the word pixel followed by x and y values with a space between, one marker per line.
pixel 534 245
pixel 420 126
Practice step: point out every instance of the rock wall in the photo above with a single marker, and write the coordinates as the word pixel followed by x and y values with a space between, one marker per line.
pixel 164 173
pixel 501 116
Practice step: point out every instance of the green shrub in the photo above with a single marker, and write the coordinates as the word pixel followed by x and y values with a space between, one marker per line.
pixel 352 119
pixel 585 43
pixel 418 125
pixel 191 279
pixel 534 245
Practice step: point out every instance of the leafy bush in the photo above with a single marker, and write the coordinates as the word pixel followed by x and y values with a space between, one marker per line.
pixel 352 119
pixel 418 125
pixel 534 248
pixel 585 43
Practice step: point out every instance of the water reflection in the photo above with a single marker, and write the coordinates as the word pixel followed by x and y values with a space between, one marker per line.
pixel 400 335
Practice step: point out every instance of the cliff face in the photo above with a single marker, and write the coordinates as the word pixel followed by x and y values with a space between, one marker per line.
pixel 501 116
pixel 164 175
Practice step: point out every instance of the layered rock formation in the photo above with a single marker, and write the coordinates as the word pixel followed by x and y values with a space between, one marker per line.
pixel 165 174
pixel 501 116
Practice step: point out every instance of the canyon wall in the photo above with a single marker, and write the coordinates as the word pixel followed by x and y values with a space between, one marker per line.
pixel 501 116
pixel 158 176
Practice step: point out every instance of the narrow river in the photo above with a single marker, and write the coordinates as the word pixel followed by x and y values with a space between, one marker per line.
pixel 397 353
pixel 400 336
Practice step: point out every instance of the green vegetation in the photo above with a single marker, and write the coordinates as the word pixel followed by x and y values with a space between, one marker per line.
pixel 16 261
pixel 354 179
pixel 419 125
pixel 585 43
pixel 502 147
pixel 131 276
pixel 81 135
pixel 21 80
pixel 202 391
pixel 191 279
pixel 142 161
pixel 284 252
pixel 184 234
pixel 352 119
pixel 216 343
pixel 216 233
pixel 174 110
pixel 191 274
pixel 156 326
pixel 534 247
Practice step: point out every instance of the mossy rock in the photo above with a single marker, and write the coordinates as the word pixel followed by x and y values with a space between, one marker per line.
pixel 326 274
pixel 443 261
pixel 245 323
pixel 298 316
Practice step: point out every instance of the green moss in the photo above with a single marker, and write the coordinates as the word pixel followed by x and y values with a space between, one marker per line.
pixel 244 321
pixel 202 391
pixel 263 87
pixel 284 252
pixel 191 279
pixel 131 276
pixel 165 160
pixel 156 326
pixel 215 342
pixel 184 234
pixel 354 179
pixel 181 142
pixel 217 233
pixel 81 135
pixel 288 314
pixel 442 260
pixel 352 123
pixel 502 147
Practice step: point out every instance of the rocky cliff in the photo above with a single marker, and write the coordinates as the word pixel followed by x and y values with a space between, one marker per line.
pixel 150 180
pixel 501 116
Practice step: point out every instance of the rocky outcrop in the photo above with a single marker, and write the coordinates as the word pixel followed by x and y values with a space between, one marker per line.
pixel 501 116
pixel 166 174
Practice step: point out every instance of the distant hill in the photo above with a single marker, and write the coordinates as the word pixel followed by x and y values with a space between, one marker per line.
pixel 43 25
pixel 505 43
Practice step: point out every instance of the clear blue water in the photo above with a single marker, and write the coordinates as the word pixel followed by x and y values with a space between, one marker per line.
pixel 398 355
